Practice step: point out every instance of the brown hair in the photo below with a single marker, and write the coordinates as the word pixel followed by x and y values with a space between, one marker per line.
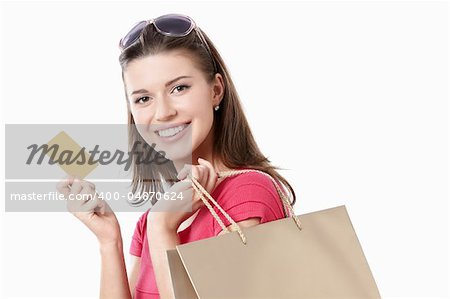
pixel 235 145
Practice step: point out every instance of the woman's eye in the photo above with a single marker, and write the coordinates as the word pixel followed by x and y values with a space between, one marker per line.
pixel 141 100
pixel 180 88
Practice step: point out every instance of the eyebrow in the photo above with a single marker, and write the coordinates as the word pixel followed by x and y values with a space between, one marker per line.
pixel 167 84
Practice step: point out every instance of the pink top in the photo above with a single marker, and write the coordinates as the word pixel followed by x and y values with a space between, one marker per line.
pixel 242 196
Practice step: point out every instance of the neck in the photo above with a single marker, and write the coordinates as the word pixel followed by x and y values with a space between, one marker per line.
pixel 204 151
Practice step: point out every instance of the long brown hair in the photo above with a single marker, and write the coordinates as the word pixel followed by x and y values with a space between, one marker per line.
pixel 233 140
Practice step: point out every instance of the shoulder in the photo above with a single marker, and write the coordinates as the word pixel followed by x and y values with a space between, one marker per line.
pixel 250 184
pixel 251 177
pixel 138 236
pixel 143 217
pixel 141 224
pixel 248 195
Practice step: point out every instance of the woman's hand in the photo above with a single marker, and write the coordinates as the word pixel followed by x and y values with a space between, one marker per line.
pixel 93 211
pixel 169 214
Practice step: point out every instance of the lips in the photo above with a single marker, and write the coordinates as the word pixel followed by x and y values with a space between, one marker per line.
pixel 170 130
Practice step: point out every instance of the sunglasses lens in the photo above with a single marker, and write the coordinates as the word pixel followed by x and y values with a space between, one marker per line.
pixel 133 35
pixel 174 25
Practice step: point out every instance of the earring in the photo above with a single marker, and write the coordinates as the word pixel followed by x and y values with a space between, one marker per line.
pixel 216 108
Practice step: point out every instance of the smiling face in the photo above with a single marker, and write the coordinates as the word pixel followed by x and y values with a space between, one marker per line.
pixel 172 103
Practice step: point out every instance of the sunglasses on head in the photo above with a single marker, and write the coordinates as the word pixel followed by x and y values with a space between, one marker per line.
pixel 174 25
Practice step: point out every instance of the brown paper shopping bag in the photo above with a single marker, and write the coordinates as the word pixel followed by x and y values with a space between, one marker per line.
pixel 317 258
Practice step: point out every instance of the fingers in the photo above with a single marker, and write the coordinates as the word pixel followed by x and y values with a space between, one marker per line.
pixel 196 171
pixel 187 169
pixel 64 185
pixel 87 194
pixel 91 205
pixel 204 173
pixel 76 186
pixel 212 175
pixel 200 173
pixel 81 196
pixel 181 186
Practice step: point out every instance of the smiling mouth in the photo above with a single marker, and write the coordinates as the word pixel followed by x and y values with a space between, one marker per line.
pixel 171 131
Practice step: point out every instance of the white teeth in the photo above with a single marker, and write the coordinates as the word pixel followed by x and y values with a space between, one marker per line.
pixel 171 131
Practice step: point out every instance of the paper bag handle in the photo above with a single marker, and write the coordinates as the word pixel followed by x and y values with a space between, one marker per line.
pixel 201 192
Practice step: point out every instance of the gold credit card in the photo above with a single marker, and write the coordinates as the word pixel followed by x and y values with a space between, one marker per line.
pixel 65 154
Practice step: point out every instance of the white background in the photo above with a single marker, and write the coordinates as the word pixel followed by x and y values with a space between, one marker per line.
pixel 350 97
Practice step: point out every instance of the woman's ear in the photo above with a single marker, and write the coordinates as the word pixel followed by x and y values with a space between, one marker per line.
pixel 218 89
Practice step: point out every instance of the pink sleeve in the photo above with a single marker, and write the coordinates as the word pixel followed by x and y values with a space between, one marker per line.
pixel 137 239
pixel 253 197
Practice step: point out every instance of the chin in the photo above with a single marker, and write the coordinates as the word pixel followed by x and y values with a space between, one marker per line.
pixel 179 151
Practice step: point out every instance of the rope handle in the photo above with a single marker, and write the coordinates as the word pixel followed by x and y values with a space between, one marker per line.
pixel 286 203
pixel 202 192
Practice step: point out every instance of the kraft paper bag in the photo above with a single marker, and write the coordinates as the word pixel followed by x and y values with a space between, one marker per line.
pixel 317 258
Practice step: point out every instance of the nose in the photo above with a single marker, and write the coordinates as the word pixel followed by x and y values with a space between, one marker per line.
pixel 164 110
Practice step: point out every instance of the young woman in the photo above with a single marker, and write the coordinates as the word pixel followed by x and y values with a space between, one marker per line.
pixel 177 84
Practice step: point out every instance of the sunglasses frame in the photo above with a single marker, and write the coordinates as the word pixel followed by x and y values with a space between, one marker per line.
pixel 193 26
